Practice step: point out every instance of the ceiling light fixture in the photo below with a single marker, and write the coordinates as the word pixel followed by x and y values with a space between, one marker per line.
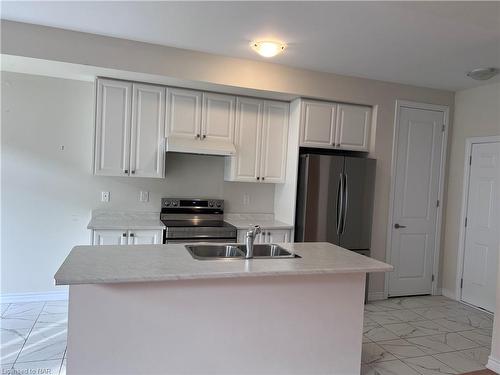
pixel 482 74
pixel 268 48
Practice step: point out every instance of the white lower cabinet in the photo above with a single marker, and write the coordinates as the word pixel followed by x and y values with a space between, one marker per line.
pixel 267 236
pixel 127 237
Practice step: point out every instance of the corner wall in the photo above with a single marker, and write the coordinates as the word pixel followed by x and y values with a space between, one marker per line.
pixel 477 114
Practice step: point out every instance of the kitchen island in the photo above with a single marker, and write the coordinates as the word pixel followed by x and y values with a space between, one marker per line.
pixel 154 309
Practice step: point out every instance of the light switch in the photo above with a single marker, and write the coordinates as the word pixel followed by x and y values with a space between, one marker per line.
pixel 105 196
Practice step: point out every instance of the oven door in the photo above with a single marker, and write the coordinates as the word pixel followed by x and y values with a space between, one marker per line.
pixel 198 240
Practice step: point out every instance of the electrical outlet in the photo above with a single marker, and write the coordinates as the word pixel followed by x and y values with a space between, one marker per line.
pixel 105 196
pixel 144 196
pixel 246 199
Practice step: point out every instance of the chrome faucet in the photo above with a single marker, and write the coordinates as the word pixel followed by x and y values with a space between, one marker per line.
pixel 250 238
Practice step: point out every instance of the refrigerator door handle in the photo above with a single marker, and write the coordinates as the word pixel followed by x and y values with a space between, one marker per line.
pixel 340 203
pixel 345 203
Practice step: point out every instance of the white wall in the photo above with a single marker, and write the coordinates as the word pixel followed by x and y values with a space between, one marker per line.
pixel 494 362
pixel 48 193
pixel 131 59
pixel 477 113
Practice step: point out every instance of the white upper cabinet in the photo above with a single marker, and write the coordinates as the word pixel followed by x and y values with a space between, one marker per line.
pixel 147 157
pixel 130 131
pixel 261 137
pixel 318 124
pixel 274 142
pixel 245 165
pixel 217 122
pixel 353 127
pixel 335 126
pixel 112 131
pixel 183 113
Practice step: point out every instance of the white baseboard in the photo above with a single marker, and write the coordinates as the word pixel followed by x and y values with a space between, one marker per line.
pixel 376 296
pixel 34 297
pixel 493 364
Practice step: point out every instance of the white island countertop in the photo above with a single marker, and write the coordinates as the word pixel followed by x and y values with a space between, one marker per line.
pixel 102 219
pixel 147 263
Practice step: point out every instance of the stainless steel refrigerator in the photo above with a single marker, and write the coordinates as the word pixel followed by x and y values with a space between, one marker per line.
pixel 335 200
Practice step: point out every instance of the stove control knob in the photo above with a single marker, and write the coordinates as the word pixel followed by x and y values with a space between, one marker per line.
pixel 219 205
pixel 174 204
pixel 167 204
pixel 211 204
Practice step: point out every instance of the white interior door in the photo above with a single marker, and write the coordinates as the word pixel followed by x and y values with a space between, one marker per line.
pixel 417 175
pixel 483 227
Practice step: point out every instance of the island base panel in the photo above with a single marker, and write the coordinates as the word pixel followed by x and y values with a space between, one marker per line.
pixel 267 325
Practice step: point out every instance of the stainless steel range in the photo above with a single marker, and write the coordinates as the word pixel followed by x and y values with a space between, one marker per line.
pixel 195 220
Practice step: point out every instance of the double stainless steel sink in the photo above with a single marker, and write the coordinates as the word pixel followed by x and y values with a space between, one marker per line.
pixel 237 251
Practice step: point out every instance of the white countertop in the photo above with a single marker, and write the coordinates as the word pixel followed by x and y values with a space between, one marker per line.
pixel 266 221
pixel 125 220
pixel 147 263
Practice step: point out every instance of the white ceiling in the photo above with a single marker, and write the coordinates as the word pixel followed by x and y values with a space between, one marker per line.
pixel 428 44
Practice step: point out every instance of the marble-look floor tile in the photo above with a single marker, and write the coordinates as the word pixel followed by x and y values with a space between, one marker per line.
pixel 459 362
pixel 429 366
pixel 3 307
pixel 431 312
pixel 479 355
pixel 378 333
pixel 414 329
pixel 53 319
pixel 395 367
pixel 55 307
pixel 17 323
pixel 39 367
pixel 431 326
pixel 45 342
pixel 29 309
pixel 453 324
pixel 372 353
pixel 400 303
pixel 12 341
pixel 373 307
pixel 406 315
pixel 442 343
pixel 366 339
pixel 402 348
pixel 383 317
pixel 480 336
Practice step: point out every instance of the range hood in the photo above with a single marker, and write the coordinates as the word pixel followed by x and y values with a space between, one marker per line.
pixel 190 145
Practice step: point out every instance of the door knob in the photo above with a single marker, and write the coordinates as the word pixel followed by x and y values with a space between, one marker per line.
pixel 397 226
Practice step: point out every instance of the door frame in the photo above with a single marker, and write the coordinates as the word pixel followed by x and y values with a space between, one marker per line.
pixel 442 170
pixel 469 142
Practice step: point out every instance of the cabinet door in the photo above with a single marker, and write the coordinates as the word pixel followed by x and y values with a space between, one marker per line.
pixel 248 139
pixel 147 151
pixel 112 128
pixel 353 127
pixel 318 124
pixel 110 237
pixel 274 142
pixel 183 113
pixel 217 118
pixel 278 235
pixel 145 237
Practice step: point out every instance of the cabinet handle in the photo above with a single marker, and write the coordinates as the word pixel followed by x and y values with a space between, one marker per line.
pixel 125 171
pixel 263 178
pixel 124 235
pixel 258 178
pixel 131 234
pixel 197 136
pixel 204 136
pixel 133 172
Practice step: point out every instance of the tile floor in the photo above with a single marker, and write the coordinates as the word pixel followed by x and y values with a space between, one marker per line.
pixel 402 336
